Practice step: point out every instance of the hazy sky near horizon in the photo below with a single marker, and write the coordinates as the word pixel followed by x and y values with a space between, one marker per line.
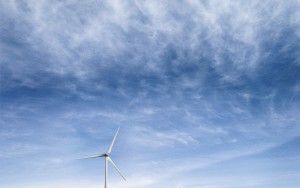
pixel 206 93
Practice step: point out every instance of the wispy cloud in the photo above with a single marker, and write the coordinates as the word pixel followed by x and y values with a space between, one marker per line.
pixel 214 79
pixel 146 136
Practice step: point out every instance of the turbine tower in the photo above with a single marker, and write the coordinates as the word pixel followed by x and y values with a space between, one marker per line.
pixel 107 158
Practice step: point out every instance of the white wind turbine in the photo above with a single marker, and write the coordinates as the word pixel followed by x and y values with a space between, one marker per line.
pixel 107 158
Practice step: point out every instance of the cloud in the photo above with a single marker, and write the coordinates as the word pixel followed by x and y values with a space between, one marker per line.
pixel 149 137
pixel 229 36
pixel 205 78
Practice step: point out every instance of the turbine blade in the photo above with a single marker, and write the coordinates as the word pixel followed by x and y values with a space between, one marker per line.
pixel 112 162
pixel 91 157
pixel 113 141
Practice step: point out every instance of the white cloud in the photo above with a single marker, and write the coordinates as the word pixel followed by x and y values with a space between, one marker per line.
pixel 171 65
pixel 76 34
pixel 146 136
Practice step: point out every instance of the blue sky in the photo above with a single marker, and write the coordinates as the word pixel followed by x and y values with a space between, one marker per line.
pixel 206 93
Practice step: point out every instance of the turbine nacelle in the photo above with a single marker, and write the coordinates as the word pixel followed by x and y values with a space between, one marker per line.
pixel 108 159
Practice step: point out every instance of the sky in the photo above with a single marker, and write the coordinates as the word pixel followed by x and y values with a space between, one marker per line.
pixel 206 93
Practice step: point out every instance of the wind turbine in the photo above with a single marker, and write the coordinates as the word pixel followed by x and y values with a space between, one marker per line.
pixel 107 159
